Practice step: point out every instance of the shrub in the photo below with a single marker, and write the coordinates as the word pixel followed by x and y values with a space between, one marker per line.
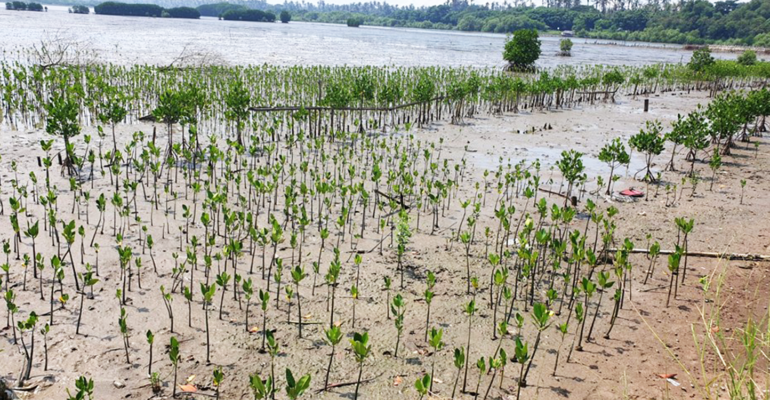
pixel 285 17
pixel 701 59
pixel 355 22
pixel 34 7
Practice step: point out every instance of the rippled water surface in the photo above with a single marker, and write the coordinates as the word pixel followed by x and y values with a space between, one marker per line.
pixel 128 40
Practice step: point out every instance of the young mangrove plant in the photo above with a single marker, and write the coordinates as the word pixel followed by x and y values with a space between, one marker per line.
pixel 208 295
pixel 361 350
pixel 333 337
pixel 398 308
pixel 297 275
pixel 459 361
pixel 649 142
pixel 173 355
pixel 422 385
pixel 259 388
pixel 436 343
pixel 613 154
pixel 150 340
pixel 295 388
pixel 431 282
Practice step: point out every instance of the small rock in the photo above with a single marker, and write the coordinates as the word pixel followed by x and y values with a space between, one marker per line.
pixel 119 384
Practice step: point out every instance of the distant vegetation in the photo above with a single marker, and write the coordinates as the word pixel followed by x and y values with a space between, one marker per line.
pixel 285 17
pixel 248 15
pixel 22 6
pixel 79 10
pixel 134 10
pixel 217 9
pixel 145 10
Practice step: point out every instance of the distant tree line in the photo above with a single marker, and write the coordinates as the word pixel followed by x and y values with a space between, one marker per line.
pixel 248 15
pixel 684 21
pixel 22 6
pixel 145 10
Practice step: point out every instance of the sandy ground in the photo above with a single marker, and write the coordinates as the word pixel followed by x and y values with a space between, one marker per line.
pixel 625 366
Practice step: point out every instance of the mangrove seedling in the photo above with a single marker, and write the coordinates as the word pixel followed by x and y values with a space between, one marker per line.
pixel 459 361
pixel 431 281
pixel 208 295
pixel 295 388
pixel 563 329
pixel 297 275
pixel 218 378
pixel 613 154
pixel 333 337
pixel 150 341
pixel 437 344
pixel 423 385
pixel 173 355
pixel 260 389
pixel 85 388
pixel 124 332
pixel 264 298
pixel 361 350
pixel 398 308
pixel 470 309
pixel 650 142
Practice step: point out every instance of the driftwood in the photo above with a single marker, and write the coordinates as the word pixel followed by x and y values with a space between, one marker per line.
pixel 706 254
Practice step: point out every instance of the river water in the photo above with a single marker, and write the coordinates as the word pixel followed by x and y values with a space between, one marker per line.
pixel 128 40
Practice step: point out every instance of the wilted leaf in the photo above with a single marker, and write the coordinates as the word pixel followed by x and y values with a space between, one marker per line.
pixel 667 376
pixel 188 388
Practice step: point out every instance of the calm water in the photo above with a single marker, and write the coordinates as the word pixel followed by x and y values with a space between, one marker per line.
pixel 128 40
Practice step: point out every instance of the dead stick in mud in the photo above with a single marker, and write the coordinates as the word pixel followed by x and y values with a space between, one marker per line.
pixel 705 254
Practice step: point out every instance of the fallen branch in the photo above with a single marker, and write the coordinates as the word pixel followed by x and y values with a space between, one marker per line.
pixel 399 201
pixel 343 384
pixel 706 254
pixel 572 200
